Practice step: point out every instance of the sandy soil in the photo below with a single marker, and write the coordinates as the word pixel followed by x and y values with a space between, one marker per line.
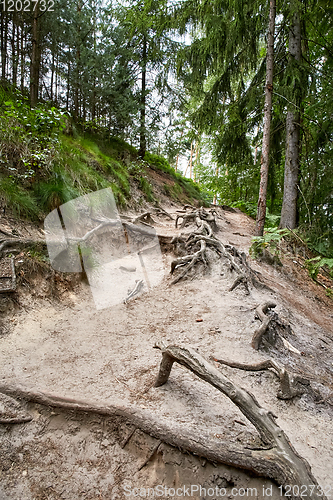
pixel 70 349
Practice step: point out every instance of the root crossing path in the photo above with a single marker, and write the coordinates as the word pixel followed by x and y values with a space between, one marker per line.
pixel 66 355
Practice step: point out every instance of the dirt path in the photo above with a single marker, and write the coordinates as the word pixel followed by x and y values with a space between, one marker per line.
pixel 107 356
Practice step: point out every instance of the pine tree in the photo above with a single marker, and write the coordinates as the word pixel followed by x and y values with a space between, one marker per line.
pixel 261 210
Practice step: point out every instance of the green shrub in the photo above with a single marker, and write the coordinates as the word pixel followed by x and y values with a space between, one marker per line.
pixel 247 207
pixel 55 192
pixel 314 266
pixel 269 241
pixel 159 162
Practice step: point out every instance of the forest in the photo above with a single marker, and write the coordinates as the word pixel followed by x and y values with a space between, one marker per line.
pixel 166 249
pixel 242 91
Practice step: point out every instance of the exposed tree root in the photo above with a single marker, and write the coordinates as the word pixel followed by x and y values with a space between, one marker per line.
pixel 204 236
pixel 277 459
pixel 199 213
pixel 189 261
pixel 145 218
pixel 8 245
pixel 291 384
pixel 266 320
pixel 12 412
pixel 272 461
pixel 161 211
pixel 258 334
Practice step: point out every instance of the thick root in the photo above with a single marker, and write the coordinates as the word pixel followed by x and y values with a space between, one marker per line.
pixel 277 459
pixel 291 384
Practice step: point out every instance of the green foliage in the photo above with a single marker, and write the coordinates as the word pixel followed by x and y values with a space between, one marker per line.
pixel 269 241
pixel 42 121
pixel 55 191
pixel 192 190
pixel 174 191
pixel 246 207
pixel 271 221
pixel 159 162
pixel 316 264
pixel 18 199
pixel 119 145
pixel 146 188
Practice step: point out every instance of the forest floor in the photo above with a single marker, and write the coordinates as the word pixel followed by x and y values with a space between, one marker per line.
pixel 66 347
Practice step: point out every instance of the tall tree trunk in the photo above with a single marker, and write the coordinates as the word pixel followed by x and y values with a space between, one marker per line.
pixel 57 78
pixel 261 210
pixel 76 85
pixel 93 94
pixel 143 142
pixel 15 49
pixel 4 38
pixel 68 81
pixel 77 67
pixel 291 168
pixel 35 59
pixel 52 76
pixel 23 49
pixel 196 160
pixel 191 159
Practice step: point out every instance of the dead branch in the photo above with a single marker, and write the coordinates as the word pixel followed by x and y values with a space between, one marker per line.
pixel 291 384
pixel 279 461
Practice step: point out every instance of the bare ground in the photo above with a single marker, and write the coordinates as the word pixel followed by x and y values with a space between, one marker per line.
pixel 70 349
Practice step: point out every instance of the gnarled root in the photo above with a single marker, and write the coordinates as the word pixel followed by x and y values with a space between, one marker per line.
pixel 258 334
pixel 278 459
pixel 202 214
pixel 9 245
pixel 204 235
pixel 291 384
pixel 189 260
pixel 266 320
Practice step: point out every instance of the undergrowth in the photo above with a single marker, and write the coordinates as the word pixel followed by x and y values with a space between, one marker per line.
pixel 47 160
pixel 271 241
